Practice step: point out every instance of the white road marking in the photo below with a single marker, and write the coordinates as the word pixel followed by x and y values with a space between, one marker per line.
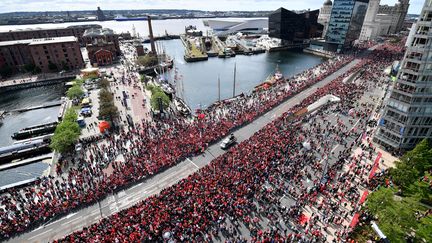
pixel 36 236
pixel 192 163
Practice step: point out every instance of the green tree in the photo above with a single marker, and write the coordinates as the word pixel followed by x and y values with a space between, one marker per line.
pixel 424 229
pixel 104 83
pixel 66 136
pixel 74 92
pixel 396 215
pixel 107 108
pixel 66 133
pixel 155 103
pixel 412 165
pixel 147 60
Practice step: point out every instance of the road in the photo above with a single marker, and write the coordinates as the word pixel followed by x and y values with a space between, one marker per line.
pixel 125 199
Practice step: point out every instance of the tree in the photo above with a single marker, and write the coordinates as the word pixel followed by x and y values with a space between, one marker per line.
pixel 147 60
pixel 412 165
pixel 65 136
pixel 104 83
pixel 155 103
pixel 66 133
pixel 74 92
pixel 396 217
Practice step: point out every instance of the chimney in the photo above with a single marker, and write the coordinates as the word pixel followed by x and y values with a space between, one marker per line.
pixel 152 44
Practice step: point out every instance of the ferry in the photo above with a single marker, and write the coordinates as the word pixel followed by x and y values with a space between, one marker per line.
pixel 121 18
pixel 35 131
pixel 272 79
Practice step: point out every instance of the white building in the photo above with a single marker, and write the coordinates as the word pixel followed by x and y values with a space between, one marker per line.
pixel 224 28
pixel 383 19
pixel 324 15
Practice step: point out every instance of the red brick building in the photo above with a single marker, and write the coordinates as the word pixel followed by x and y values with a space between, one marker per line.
pixel 102 46
pixel 37 33
pixel 48 54
pixel 103 57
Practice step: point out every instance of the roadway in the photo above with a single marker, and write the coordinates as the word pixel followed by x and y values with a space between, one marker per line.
pixel 127 198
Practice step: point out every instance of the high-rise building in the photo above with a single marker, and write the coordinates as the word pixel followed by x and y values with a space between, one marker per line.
pixel 407 115
pixel 293 27
pixel 345 24
pixel 324 15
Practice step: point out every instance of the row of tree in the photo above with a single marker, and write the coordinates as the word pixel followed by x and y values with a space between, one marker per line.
pixel 107 109
pixel 66 133
pixel 403 211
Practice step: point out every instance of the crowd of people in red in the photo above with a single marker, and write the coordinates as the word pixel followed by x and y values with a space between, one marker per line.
pixel 151 147
pixel 231 192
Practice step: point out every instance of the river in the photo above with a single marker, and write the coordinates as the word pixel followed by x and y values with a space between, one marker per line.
pixel 199 80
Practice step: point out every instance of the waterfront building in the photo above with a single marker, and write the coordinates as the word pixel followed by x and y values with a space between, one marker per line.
pixel 397 12
pixel 38 33
pixel 407 115
pixel 383 20
pixel 104 38
pixel 345 24
pixel 46 54
pixel 324 15
pixel 250 26
pixel 293 28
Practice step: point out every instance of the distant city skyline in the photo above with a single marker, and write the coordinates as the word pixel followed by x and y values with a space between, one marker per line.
pixel 210 5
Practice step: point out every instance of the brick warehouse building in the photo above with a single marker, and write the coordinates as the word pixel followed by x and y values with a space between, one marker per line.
pixel 38 33
pixel 47 54
pixel 102 46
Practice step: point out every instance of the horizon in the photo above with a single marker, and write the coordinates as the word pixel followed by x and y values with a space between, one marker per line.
pixel 19 6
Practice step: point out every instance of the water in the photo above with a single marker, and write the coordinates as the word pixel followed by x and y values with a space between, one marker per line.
pixel 22 173
pixel 15 121
pixel 200 78
pixel 171 26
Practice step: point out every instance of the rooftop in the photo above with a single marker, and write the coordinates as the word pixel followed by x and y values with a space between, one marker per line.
pixel 98 32
pixel 54 28
pixel 40 41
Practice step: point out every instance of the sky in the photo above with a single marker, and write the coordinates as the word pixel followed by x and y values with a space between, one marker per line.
pixel 222 5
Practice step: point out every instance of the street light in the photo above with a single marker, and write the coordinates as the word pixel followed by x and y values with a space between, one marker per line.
pixel 379 232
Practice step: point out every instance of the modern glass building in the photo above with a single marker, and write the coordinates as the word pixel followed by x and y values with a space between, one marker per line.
pixel 293 27
pixel 345 23
pixel 407 116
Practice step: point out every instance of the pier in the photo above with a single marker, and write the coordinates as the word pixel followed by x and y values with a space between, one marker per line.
pixel 48 105
pixel 38 81
pixel 193 52
pixel 320 53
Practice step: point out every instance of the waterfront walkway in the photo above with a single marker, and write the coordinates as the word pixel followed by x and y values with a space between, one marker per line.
pixel 128 197
pixel 32 80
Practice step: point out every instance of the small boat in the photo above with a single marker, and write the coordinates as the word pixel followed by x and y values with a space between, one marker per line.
pixel 33 131
pixel 272 79
pixel 182 107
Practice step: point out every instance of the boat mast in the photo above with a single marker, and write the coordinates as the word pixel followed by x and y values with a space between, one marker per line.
pixel 219 88
pixel 234 84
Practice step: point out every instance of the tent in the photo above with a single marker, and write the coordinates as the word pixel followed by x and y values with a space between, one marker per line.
pixel 103 126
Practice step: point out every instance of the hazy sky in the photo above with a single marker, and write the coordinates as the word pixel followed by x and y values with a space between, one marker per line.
pixel 64 5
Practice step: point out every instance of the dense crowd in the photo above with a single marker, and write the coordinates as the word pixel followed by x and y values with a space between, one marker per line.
pixel 243 187
pixel 150 147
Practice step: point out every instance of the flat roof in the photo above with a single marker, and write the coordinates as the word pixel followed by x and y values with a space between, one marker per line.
pixel 53 40
pixel 52 28
pixel 41 41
